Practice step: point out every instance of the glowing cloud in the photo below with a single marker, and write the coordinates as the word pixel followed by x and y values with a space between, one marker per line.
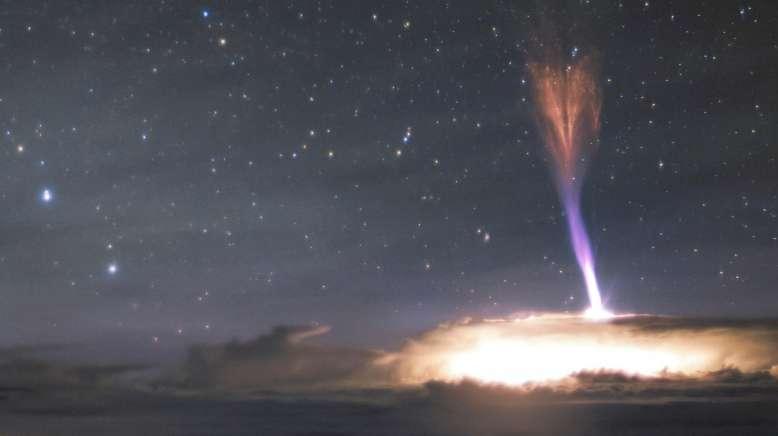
pixel 550 348
pixel 568 102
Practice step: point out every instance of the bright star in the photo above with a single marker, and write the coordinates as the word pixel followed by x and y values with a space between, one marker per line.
pixel 407 136
pixel 47 195
pixel 113 268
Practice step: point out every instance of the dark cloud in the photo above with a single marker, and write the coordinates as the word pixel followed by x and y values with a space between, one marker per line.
pixel 280 360
pixel 436 409
pixel 27 368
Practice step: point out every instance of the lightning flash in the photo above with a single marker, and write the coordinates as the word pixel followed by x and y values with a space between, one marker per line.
pixel 568 100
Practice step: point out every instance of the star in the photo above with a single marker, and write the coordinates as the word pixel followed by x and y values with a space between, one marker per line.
pixel 407 135
pixel 47 195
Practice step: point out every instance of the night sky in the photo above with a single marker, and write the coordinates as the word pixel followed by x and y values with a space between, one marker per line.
pixel 178 171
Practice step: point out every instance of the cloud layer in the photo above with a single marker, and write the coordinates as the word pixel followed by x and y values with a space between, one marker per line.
pixel 281 360
pixel 288 382
pixel 551 347
pixel 560 353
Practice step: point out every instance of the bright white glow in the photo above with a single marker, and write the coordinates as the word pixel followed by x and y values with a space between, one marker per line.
pixel 518 361
pixel 553 347
pixel 592 288
pixel 113 268
pixel 598 313
pixel 47 195
pixel 547 355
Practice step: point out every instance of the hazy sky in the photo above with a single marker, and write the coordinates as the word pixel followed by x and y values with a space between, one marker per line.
pixel 186 171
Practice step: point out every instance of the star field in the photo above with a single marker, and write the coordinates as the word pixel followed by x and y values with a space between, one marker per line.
pixel 182 171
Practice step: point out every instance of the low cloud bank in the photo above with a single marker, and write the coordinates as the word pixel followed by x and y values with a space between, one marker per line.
pixel 553 348
pixel 546 356
pixel 284 359
pixel 25 369
pixel 285 382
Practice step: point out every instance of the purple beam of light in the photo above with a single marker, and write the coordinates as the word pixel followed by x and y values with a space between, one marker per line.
pixel 570 195
pixel 568 102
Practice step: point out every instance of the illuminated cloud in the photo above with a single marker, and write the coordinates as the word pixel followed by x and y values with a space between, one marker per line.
pixel 553 349
pixel 557 353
